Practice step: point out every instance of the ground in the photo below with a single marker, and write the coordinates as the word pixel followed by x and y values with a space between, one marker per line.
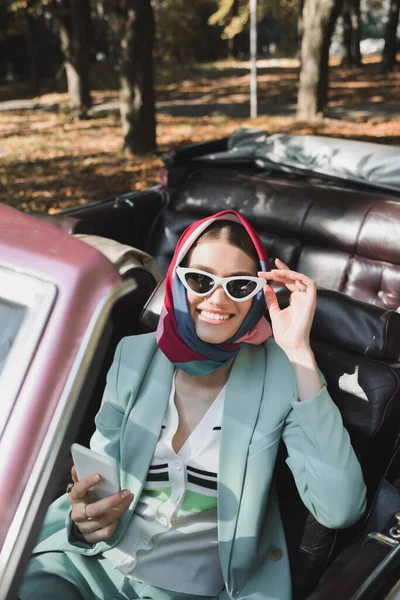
pixel 49 162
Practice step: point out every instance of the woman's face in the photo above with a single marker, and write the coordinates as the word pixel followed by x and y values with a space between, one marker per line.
pixel 224 260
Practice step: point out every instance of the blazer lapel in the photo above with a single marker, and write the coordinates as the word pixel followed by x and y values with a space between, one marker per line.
pixel 143 426
pixel 242 403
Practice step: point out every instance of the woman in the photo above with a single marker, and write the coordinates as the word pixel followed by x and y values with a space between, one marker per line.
pixel 193 416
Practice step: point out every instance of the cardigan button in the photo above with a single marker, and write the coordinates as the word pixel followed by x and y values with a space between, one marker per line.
pixel 275 554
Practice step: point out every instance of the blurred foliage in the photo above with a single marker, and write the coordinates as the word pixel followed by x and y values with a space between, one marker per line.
pixel 233 15
pixel 182 33
pixel 187 33
pixel 35 8
pixel 14 63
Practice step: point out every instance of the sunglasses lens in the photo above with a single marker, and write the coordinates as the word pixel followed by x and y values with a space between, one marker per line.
pixel 200 284
pixel 241 288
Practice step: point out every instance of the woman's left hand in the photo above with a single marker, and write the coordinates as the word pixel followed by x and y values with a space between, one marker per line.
pixel 291 326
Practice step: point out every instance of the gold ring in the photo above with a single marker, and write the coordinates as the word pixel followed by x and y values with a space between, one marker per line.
pixel 69 487
pixel 85 514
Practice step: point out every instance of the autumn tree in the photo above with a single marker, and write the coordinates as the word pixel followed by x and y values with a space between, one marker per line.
pixel 351 16
pixel 319 18
pixel 32 47
pixel 390 48
pixel 300 6
pixel 183 34
pixel 286 14
pixel 132 22
pixel 20 17
pixel 72 20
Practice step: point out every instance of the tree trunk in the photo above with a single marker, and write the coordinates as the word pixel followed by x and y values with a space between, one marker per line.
pixel 74 35
pixel 32 47
pixel 389 51
pixel 233 47
pixel 133 23
pixel 300 8
pixel 351 34
pixel 319 18
pixel 356 27
pixel 232 42
pixel 347 58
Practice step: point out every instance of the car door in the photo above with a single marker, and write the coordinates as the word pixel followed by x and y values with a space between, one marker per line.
pixel 57 297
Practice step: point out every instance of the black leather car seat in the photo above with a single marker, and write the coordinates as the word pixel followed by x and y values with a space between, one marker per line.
pixel 346 239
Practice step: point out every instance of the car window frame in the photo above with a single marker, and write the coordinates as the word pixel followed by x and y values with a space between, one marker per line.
pixel 37 296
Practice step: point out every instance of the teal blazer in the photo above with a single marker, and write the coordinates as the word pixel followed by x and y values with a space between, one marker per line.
pixel 261 407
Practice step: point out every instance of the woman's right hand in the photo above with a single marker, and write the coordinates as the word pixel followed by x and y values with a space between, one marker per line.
pixel 97 521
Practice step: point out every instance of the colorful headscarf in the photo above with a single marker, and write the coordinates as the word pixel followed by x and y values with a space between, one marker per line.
pixel 176 335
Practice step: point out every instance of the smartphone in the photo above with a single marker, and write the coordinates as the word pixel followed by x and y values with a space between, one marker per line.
pixel 87 462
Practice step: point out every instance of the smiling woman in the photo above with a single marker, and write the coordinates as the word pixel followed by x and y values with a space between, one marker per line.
pixel 207 324
pixel 193 416
pixel 223 255
pixel 217 314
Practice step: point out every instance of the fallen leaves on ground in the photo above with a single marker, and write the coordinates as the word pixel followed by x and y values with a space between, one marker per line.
pixel 49 162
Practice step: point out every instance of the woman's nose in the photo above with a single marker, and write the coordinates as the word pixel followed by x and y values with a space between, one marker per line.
pixel 218 296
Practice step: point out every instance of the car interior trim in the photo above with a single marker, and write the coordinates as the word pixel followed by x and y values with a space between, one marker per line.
pixel 17 537
pixel 116 200
pixel 383 539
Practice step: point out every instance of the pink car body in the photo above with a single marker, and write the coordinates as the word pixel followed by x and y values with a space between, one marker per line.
pixel 67 290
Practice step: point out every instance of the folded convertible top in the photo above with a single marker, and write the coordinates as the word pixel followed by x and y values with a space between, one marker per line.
pixel 362 162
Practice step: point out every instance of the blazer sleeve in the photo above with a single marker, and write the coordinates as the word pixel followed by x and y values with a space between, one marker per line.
pixel 327 473
pixel 132 357
pixel 106 438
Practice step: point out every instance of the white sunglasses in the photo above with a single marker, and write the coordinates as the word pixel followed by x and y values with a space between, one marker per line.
pixel 239 288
